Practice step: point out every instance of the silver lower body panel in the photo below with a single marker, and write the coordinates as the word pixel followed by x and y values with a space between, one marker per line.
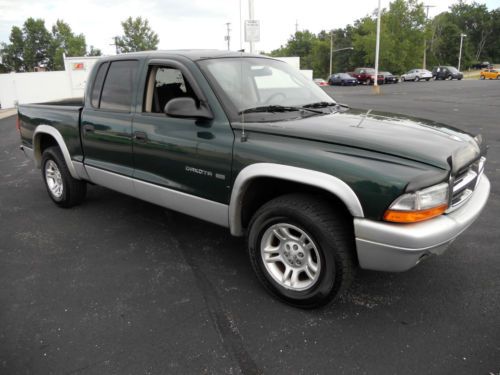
pixel 391 247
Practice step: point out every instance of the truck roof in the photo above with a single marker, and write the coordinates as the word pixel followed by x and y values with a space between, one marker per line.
pixel 192 54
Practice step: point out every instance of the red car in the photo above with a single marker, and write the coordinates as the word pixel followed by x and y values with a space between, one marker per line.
pixel 367 75
pixel 320 82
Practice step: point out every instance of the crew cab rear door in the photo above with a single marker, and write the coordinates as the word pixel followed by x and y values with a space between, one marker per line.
pixel 106 124
pixel 186 155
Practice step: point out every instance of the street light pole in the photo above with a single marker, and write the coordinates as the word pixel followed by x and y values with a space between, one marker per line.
pixel 462 36
pixel 331 52
pixel 424 65
pixel 376 88
pixel 337 50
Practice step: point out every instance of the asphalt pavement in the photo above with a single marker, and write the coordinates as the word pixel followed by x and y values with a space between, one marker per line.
pixel 120 286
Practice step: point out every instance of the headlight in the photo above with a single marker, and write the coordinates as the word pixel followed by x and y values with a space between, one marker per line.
pixel 419 206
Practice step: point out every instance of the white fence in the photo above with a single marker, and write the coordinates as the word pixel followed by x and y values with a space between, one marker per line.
pixel 22 88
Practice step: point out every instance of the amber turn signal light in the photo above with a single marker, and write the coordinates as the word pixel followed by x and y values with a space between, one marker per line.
pixel 414 216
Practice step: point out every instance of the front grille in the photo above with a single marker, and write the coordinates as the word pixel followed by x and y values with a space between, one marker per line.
pixel 465 182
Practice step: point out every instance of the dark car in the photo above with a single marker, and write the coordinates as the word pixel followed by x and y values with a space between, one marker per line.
pixel 446 72
pixel 342 79
pixel 389 77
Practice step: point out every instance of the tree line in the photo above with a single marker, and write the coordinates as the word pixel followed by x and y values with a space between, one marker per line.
pixel 34 46
pixel 405 34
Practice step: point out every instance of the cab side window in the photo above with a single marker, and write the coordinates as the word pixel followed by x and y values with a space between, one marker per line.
pixel 118 88
pixel 164 84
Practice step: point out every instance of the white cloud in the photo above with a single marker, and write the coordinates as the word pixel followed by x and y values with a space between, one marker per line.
pixel 191 23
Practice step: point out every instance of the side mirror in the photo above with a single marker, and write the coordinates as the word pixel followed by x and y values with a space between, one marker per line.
pixel 186 108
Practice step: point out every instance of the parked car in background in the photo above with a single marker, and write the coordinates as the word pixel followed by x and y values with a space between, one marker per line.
pixel 342 79
pixel 490 74
pixel 482 65
pixel 446 72
pixel 389 77
pixel 320 82
pixel 367 75
pixel 416 75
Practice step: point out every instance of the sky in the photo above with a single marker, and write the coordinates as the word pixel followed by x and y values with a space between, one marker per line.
pixel 196 23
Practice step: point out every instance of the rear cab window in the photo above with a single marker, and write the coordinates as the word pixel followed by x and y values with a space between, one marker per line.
pixel 113 88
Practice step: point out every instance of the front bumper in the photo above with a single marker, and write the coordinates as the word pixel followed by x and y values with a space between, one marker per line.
pixel 383 246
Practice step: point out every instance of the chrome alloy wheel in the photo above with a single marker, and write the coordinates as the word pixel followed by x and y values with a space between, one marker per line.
pixel 53 179
pixel 290 256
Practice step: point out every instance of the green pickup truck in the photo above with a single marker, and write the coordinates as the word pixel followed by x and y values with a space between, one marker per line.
pixel 248 143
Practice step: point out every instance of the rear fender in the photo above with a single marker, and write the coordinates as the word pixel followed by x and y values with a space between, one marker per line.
pixel 54 133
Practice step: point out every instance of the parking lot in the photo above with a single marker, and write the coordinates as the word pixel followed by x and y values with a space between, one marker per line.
pixel 119 286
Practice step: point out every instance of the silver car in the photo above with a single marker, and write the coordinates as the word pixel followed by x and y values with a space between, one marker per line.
pixel 416 75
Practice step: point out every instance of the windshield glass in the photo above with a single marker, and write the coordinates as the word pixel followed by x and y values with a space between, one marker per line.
pixel 245 83
pixel 453 69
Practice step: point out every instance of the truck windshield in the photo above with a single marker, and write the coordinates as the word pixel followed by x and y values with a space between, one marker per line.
pixel 252 84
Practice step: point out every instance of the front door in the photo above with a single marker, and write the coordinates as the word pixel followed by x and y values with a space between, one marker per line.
pixel 185 155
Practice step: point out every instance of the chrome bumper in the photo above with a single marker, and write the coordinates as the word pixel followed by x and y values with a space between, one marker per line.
pixel 383 246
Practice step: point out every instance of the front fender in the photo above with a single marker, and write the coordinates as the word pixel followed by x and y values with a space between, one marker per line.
pixel 317 179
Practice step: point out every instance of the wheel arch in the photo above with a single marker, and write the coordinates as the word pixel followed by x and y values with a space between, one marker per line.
pixel 309 180
pixel 46 136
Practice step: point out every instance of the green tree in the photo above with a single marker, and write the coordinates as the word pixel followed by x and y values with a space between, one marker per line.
pixel 94 51
pixel 138 36
pixel 64 42
pixel 12 54
pixel 36 44
pixel 401 37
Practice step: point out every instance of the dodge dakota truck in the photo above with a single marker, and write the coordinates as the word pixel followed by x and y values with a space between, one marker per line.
pixel 248 143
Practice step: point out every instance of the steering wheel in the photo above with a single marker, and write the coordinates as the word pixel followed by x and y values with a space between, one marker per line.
pixel 274 96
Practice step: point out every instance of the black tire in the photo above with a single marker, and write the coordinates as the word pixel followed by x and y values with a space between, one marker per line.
pixel 73 191
pixel 324 227
pixel 417 78
pixel 482 77
pixel 427 79
pixel 450 77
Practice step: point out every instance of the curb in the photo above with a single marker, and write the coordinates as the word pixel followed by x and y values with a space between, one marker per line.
pixel 4 113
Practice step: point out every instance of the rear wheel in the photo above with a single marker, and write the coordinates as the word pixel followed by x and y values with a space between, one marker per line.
pixel 63 189
pixel 301 250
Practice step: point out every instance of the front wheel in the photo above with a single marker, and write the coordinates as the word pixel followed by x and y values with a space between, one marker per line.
pixel 301 250
pixel 63 189
pixel 417 78
pixel 482 77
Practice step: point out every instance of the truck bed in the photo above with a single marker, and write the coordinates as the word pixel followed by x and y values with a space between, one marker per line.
pixel 63 115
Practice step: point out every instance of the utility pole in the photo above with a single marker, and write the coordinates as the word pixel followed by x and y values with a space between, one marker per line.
pixel 424 65
pixel 251 15
pixel 460 53
pixel 241 29
pixel 296 25
pixel 376 88
pixel 228 36
pixel 116 45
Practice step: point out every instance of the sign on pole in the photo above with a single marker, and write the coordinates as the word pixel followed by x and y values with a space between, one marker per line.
pixel 252 31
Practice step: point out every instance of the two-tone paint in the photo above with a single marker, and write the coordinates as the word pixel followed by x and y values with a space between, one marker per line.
pixel 205 167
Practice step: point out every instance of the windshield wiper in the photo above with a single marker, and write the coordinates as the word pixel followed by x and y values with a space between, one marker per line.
pixel 320 105
pixel 276 108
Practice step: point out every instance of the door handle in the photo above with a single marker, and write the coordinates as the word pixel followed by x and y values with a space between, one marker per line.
pixel 140 136
pixel 88 128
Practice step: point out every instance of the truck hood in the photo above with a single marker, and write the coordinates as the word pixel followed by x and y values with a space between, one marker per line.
pixel 411 138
